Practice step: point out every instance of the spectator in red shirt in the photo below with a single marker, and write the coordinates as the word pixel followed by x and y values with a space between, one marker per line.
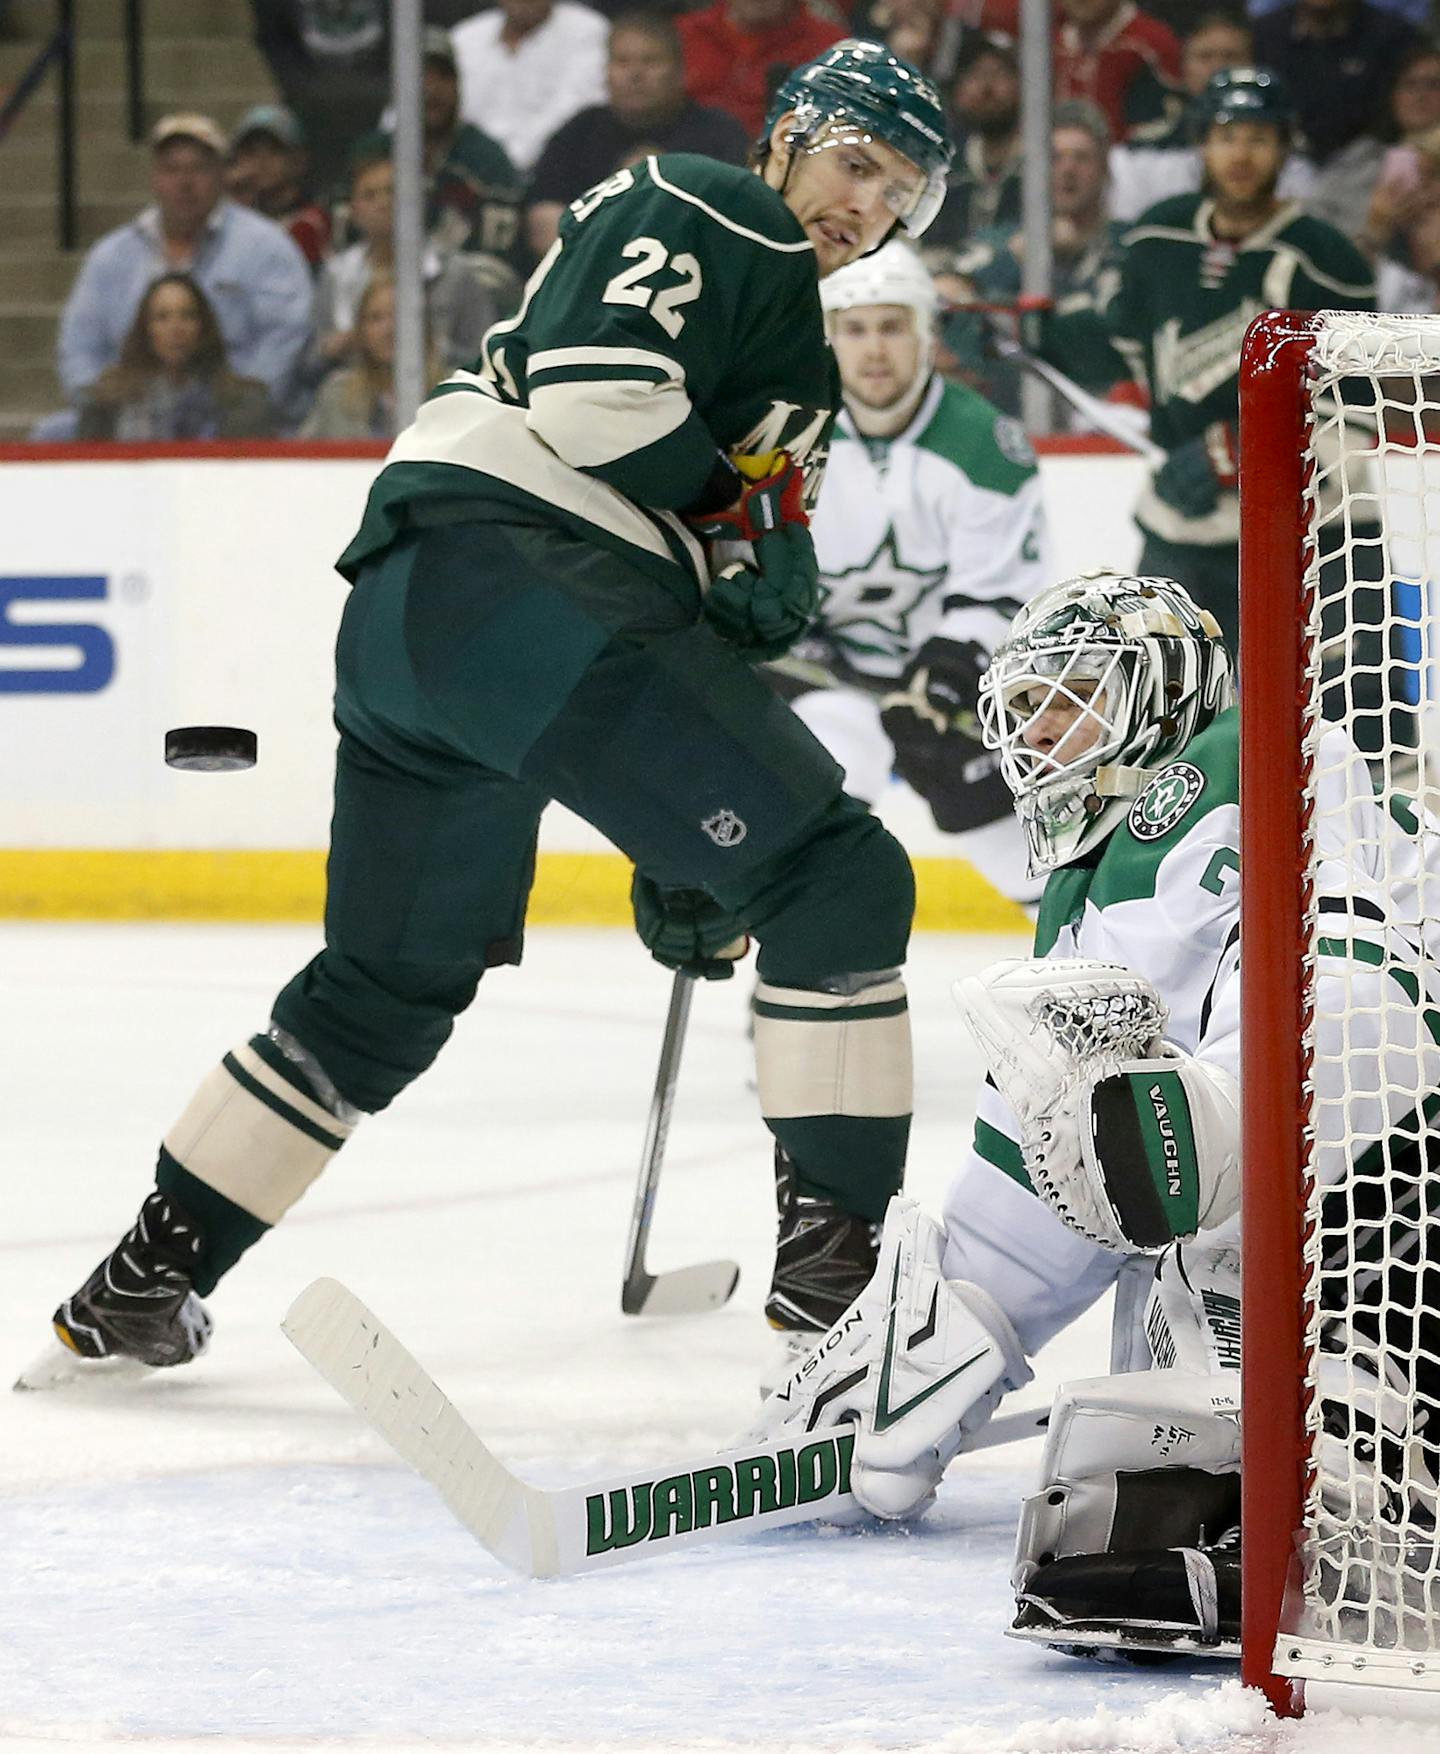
pixel 1124 61
pixel 737 51
pixel 266 171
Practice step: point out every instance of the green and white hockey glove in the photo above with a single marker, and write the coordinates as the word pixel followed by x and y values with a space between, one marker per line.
pixel 1127 1139
pixel 1193 476
pixel 687 930
pixel 762 609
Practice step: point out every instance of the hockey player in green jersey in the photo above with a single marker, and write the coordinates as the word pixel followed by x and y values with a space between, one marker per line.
pixel 929 533
pixel 1194 271
pixel 1111 708
pixel 533 617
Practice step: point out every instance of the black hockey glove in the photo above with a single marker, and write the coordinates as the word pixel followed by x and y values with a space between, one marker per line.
pixel 687 930
pixel 1193 476
pixel 938 693
pixel 762 609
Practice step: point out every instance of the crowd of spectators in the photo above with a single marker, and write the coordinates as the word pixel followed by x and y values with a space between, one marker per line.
pixel 254 294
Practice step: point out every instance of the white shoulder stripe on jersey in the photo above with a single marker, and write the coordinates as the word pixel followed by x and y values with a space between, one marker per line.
pixel 557 358
pixel 743 231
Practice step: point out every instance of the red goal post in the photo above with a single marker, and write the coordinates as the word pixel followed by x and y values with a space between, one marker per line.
pixel 1339 485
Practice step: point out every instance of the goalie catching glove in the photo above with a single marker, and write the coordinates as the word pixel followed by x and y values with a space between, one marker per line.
pixel 917 1364
pixel 1130 1141
pixel 762 609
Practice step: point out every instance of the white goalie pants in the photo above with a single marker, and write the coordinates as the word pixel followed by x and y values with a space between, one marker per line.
pixel 1004 1239
pixel 847 722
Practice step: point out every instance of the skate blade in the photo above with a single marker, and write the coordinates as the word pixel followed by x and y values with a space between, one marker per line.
pixel 58 1366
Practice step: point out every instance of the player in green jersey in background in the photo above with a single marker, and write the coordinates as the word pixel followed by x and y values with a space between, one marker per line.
pixel 534 616
pixel 1194 271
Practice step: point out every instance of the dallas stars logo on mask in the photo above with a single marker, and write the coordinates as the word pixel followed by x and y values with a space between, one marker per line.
pixel 1165 800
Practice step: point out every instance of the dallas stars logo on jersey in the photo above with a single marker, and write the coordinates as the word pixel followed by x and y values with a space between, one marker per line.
pixel 868 607
pixel 1165 800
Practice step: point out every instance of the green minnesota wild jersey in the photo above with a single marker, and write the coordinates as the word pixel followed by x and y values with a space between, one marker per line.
pixel 677 312
pixel 1177 309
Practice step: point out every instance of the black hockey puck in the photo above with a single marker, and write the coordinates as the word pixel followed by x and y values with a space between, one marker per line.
pixel 211 748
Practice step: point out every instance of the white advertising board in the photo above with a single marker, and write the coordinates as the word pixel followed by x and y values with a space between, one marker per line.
pixel 137 595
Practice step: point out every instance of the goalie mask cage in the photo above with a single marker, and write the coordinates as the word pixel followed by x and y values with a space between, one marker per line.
pixel 1340 539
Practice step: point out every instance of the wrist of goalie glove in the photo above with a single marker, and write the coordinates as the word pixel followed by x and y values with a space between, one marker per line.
pixel 1158 1155
pixel 763 609
pixel 687 930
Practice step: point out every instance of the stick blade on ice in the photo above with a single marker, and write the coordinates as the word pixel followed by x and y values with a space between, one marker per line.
pixel 686 1291
pixel 368 1367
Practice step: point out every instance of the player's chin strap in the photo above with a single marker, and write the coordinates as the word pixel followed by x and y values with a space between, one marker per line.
pixel 1115 781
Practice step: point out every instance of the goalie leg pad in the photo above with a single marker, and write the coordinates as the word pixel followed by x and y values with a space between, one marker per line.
pixel 917 1364
pixel 1105 1431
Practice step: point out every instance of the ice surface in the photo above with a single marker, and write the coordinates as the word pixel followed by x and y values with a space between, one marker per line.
pixel 225 1558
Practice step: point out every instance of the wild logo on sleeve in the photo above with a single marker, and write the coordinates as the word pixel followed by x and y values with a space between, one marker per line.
pixel 750 1486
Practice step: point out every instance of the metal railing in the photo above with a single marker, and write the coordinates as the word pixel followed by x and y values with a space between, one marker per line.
pixel 59 50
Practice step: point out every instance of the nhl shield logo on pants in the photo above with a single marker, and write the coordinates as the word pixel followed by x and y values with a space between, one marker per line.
pixel 725 828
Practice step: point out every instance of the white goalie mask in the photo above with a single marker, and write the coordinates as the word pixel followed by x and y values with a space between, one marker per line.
pixel 894 275
pixel 1102 681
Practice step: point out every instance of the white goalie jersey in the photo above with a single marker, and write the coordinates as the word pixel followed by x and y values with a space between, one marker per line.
pixel 939 530
pixel 1161 898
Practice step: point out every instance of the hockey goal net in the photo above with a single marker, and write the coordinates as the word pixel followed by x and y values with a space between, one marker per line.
pixel 1340 513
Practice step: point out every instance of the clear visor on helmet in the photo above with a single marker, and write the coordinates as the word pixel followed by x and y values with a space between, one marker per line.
pixel 1054 714
pixel 912 196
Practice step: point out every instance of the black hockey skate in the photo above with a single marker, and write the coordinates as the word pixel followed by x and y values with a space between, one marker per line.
pixel 824 1258
pixel 138 1304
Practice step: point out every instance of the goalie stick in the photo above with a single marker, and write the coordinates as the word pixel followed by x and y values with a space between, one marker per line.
pixel 561 1531
pixel 684 1290
pixel 557 1532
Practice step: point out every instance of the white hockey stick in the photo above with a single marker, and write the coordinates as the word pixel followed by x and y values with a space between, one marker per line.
pixel 558 1532
pixel 683 1290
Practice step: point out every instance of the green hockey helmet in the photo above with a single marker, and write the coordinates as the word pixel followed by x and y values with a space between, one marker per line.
pixel 880 97
pixel 1103 680
pixel 1244 94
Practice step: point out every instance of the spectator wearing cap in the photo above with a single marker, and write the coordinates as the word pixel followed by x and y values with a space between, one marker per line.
pixel 1084 238
pixel 266 173
pixel 250 270
pixel 526 66
pixel 1167 162
pixel 1126 62
pixel 473 194
pixel 983 189
pixel 1340 58
pixel 738 51
pixel 648 112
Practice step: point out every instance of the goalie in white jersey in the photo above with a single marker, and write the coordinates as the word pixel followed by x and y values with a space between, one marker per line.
pixel 929 534
pixel 1108 1130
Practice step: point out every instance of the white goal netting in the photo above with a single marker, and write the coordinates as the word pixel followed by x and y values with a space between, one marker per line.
pixel 1367 1603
